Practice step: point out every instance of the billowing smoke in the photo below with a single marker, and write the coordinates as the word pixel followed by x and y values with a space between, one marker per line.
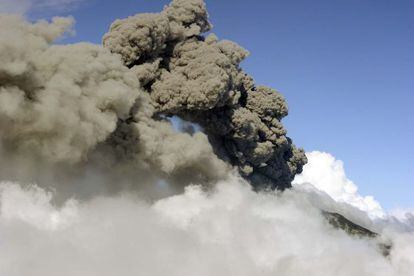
pixel 67 103
pixel 70 105
pixel 58 102
pixel 96 180
pixel 199 79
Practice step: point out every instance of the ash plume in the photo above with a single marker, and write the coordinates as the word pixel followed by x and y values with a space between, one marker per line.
pixel 64 106
pixel 74 104
pixel 58 101
pixel 199 79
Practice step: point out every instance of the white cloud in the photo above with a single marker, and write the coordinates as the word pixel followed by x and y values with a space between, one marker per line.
pixel 229 230
pixel 405 216
pixel 327 174
pixel 33 206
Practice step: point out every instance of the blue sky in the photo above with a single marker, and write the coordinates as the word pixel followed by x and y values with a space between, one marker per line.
pixel 346 69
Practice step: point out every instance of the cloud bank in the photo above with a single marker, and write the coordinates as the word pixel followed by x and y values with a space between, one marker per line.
pixel 230 230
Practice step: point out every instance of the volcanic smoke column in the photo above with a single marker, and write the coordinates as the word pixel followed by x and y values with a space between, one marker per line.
pixel 199 79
